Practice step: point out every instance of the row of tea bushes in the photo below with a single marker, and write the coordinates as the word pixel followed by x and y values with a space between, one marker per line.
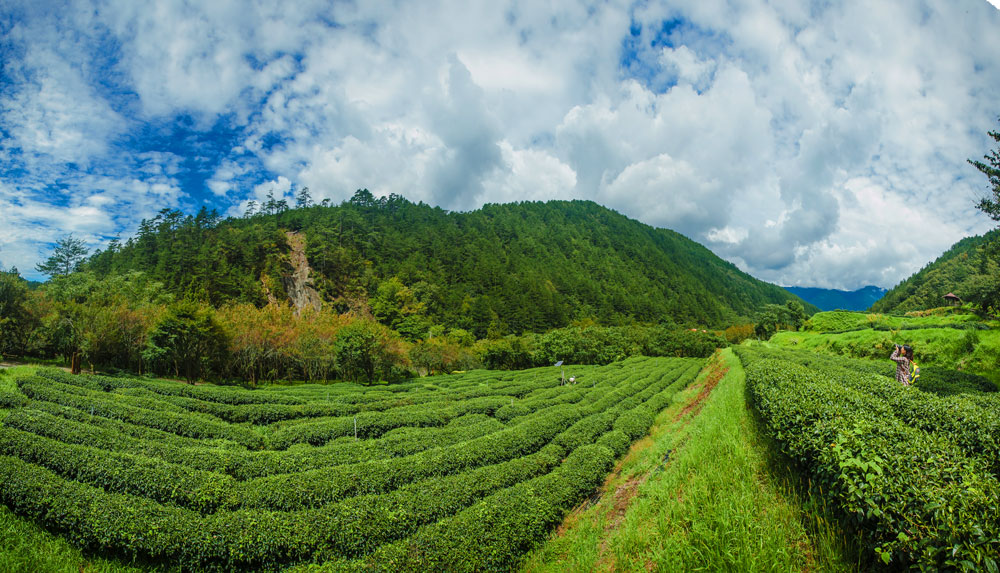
pixel 917 497
pixel 138 503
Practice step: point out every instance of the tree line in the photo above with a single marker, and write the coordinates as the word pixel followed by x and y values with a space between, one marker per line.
pixel 407 288
pixel 130 323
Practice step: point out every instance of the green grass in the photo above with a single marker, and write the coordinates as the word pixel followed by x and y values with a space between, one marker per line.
pixel 843 320
pixel 703 492
pixel 972 351
pixel 27 548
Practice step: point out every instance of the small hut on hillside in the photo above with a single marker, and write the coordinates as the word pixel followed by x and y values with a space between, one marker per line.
pixel 952 299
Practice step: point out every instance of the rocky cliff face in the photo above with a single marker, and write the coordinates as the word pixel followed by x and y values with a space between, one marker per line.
pixel 299 285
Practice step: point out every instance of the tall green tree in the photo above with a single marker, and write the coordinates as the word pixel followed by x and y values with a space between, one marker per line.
pixel 13 312
pixel 303 199
pixel 363 352
pixel 188 341
pixel 69 253
pixel 986 290
pixel 991 169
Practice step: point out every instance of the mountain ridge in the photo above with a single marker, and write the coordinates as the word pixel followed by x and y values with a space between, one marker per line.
pixel 503 268
pixel 835 299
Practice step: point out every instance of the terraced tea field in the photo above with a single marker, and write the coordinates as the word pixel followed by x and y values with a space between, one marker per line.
pixel 914 473
pixel 457 472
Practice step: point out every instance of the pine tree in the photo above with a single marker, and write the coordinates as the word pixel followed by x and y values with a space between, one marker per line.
pixel 65 259
pixel 303 199
pixel 988 205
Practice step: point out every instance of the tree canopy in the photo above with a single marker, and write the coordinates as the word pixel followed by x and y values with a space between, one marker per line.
pixel 503 269
pixel 990 204
pixel 67 257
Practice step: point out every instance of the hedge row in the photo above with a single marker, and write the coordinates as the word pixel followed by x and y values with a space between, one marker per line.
pixel 318 432
pixel 963 421
pixel 355 526
pixel 124 473
pixel 74 426
pixel 240 540
pixel 494 534
pixel 261 407
pixel 221 394
pixel 975 429
pixel 11 397
pixel 243 464
pixel 207 491
pixel 316 487
pixel 373 424
pixel 49 417
pixel 918 498
pixel 183 424
pixel 946 382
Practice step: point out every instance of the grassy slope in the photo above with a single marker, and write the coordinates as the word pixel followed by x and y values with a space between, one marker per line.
pixel 934 338
pixel 714 504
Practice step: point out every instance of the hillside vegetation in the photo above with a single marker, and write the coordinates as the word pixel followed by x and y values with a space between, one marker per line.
pixel 970 269
pixel 382 289
pixel 948 338
pixel 515 267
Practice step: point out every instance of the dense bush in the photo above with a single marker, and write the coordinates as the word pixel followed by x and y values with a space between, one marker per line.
pixel 909 471
pixel 947 382
pixel 691 343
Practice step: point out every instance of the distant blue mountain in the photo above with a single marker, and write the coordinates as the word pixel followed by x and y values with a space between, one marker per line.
pixel 832 299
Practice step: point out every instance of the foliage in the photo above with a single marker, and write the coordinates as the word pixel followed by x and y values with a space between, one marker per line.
pixel 15 320
pixel 525 267
pixel 968 269
pixel 187 341
pixel 67 257
pixel 950 338
pixel 367 352
pixel 442 355
pixel 774 317
pixel 945 382
pixel 505 354
pixel 991 169
pixel 694 343
pixel 737 333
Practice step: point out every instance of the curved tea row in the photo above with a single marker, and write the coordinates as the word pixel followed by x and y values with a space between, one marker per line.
pixel 226 478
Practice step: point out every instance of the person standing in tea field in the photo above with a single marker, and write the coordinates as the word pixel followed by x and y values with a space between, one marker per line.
pixel 902 356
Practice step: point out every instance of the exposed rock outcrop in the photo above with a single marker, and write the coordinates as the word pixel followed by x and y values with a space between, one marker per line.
pixel 299 285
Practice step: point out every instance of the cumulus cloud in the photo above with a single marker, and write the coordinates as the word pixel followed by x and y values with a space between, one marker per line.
pixel 782 135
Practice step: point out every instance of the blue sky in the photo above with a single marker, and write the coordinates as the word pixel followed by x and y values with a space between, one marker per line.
pixel 813 144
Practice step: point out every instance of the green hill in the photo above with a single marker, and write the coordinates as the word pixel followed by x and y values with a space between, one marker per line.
pixel 514 268
pixel 966 269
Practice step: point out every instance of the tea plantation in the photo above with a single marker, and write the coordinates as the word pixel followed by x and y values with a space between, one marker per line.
pixel 914 473
pixel 459 472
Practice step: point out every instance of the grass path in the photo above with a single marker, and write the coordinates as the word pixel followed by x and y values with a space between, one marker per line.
pixel 699 494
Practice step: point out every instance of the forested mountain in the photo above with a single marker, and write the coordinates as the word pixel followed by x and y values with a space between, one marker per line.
pixel 968 269
pixel 833 299
pixel 508 268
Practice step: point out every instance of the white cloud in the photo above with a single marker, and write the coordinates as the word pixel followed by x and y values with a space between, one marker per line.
pixel 528 175
pixel 768 130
